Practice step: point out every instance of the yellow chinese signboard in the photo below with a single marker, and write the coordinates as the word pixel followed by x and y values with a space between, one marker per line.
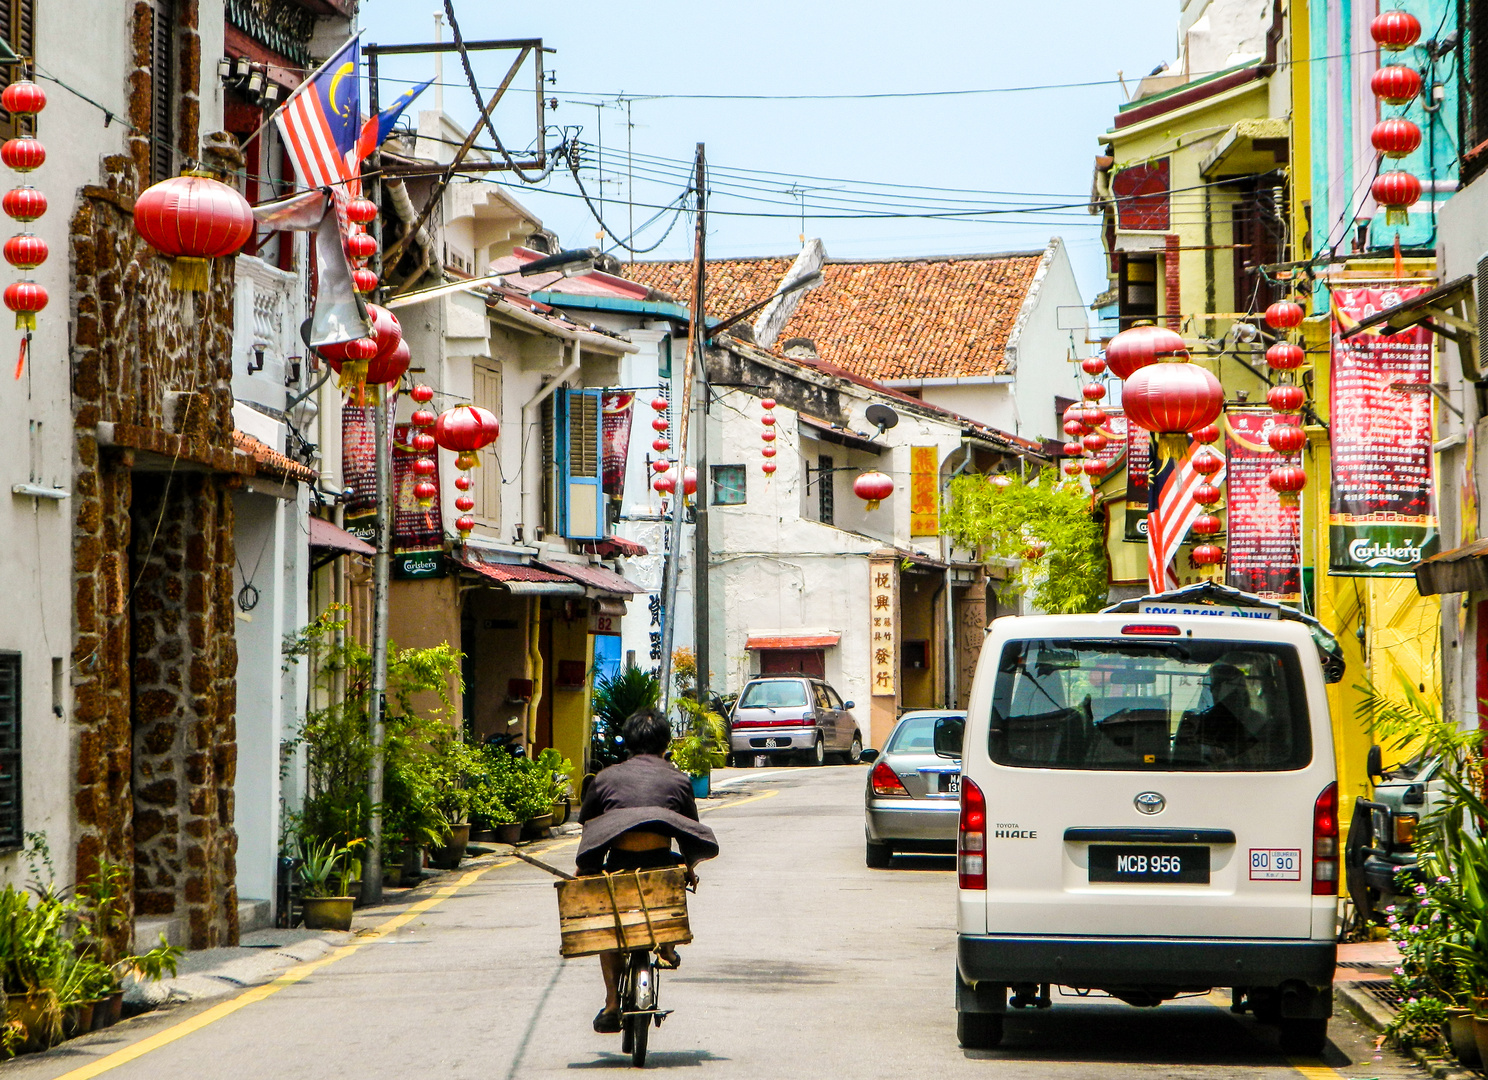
pixel 924 491
pixel 882 575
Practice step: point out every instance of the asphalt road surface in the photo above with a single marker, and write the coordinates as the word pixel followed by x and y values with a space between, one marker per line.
pixel 806 964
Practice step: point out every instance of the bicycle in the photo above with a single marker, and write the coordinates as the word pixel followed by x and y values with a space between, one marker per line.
pixel 640 992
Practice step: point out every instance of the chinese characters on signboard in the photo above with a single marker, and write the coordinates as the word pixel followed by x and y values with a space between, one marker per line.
pixel 881 619
pixel 1138 477
pixel 924 491
pixel 1382 518
pixel 1264 552
pixel 418 532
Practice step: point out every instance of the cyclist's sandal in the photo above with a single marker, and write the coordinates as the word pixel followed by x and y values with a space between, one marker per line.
pixel 607 1021
pixel 670 960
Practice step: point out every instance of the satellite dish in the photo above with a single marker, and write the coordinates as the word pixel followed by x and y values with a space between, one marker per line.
pixel 881 417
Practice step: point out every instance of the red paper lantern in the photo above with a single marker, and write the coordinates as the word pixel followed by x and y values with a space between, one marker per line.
pixel 26 251
pixel 660 404
pixel 1208 555
pixel 1286 398
pixel 768 468
pixel 1395 30
pixel 767 403
pixel 1395 84
pixel 192 218
pixel 767 420
pixel 392 357
pixel 465 525
pixel 24 203
pixel 768 436
pixel 767 451
pixel 1172 400
pixel 349 360
pixel 1206 494
pixel 1284 356
pixel 1093 391
pixel 23 154
pixel 1205 525
pixel 423 466
pixel 660 465
pixel 689 481
pixel 659 424
pixel 1002 480
pixel 424 492
pixel 422 394
pixel 1094 468
pixel 467 460
pixel 422 418
pixel 424 443
pixel 25 298
pixel 1206 461
pixel 1396 191
pixel 1132 350
pixel 1093 366
pixel 667 482
pixel 1395 137
pixel 1074 412
pixel 363 280
pixel 1287 481
pixel 1094 416
pixel 1287 439
pixel 1207 434
pixel 24 97
pixel 1284 315
pixel 464 504
pixel 466 429
pixel 360 245
pixel 661 446
pixel 873 488
pixel 1074 449
pixel 1075 429
pixel 462 482
pixel 361 211
pixel 1073 468
pixel 1095 442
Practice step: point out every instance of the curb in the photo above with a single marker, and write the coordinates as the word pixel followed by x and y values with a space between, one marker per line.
pixel 1377 1016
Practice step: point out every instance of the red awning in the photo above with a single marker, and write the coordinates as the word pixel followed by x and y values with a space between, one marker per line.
pixel 801 641
pixel 595 577
pixel 327 534
pixel 611 546
pixel 522 579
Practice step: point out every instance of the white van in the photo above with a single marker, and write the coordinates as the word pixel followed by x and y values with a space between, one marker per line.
pixel 1149 808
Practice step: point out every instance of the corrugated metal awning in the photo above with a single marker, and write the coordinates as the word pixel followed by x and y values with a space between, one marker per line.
pixel 521 579
pixel 595 577
pixel 1463 569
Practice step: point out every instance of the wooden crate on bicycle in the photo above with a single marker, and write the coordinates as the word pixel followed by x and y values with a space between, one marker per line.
pixel 636 909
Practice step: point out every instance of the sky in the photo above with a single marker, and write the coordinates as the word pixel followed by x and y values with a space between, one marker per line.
pixel 956 155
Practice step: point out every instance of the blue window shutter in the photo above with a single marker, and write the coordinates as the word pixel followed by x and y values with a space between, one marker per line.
pixel 560 458
pixel 583 472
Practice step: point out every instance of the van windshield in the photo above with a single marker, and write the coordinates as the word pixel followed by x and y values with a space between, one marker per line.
pixel 773 694
pixel 1172 706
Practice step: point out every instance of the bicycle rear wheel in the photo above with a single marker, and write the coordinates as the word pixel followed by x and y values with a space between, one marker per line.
pixel 638 1029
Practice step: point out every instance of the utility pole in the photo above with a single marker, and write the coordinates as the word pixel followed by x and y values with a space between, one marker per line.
pixel 696 334
pixel 381 565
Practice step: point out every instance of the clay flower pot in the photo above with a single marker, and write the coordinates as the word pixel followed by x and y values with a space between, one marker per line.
pixel 1460 1036
pixel 328 912
pixel 508 832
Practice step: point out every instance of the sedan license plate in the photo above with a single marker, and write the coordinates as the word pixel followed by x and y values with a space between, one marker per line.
pixel 950 783
pixel 1149 864
pixel 772 743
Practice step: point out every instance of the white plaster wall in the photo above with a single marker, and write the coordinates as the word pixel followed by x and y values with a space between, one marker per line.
pixel 990 403
pixel 1225 33
pixel 1048 346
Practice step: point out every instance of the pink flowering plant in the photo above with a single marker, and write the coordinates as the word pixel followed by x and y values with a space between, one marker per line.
pixel 1431 977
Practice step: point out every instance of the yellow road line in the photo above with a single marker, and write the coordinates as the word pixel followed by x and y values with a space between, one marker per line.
pixel 301 971
pixel 1308 1067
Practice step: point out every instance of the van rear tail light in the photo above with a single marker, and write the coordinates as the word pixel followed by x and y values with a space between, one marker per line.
pixel 1325 843
pixel 886 781
pixel 1405 829
pixel 971 838
pixel 1152 630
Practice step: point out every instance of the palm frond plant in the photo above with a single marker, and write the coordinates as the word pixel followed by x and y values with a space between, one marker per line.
pixel 616 697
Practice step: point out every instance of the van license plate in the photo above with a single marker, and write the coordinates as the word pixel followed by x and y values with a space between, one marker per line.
pixel 1165 864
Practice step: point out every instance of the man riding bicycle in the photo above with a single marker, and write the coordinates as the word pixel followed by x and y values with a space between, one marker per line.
pixel 631 814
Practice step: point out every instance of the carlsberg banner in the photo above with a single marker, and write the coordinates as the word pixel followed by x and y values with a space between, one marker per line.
pixel 1382 518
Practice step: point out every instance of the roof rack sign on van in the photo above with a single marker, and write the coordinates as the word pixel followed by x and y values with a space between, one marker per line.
pixel 1211 599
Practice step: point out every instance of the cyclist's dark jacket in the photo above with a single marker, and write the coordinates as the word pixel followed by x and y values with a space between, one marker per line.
pixel 645 794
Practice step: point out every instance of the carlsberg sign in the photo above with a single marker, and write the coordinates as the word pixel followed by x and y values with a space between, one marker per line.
pixel 1380 550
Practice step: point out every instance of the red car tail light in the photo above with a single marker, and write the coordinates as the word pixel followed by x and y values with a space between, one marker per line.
pixel 886 781
pixel 1325 843
pixel 971 838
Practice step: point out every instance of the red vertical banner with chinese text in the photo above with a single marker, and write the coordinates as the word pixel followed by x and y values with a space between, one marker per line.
pixel 617 410
pixel 1382 513
pixel 418 533
pixel 1263 552
pixel 924 491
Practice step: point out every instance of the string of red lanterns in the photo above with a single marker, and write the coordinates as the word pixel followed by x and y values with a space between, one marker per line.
pixel 1396 137
pixel 663 483
pixel 1285 398
pixel 464 430
pixel 768 436
pixel 25 251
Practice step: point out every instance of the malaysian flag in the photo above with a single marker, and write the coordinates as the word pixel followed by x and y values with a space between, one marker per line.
pixel 1170 515
pixel 322 119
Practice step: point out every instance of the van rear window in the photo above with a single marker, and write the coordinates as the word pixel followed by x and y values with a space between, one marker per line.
pixel 773 694
pixel 1168 706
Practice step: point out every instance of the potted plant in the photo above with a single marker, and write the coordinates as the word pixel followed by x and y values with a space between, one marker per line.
pixel 555 769
pixel 701 748
pixel 615 698
pixel 325 873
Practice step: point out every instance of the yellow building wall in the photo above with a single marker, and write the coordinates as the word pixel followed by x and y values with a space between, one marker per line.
pixel 572 709
pixel 423 613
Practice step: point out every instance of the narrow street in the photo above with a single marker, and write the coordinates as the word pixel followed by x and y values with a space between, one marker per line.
pixel 806 964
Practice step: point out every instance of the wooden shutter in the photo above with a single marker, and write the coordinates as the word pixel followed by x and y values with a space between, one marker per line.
pixel 1482 304
pixel 582 494
pixel 163 90
pixel 12 829
pixel 18 29
pixel 487 489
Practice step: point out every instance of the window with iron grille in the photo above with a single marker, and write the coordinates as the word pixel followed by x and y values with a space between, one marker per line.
pixel 824 494
pixel 12 829
pixel 18 30
pixel 728 484
pixel 163 82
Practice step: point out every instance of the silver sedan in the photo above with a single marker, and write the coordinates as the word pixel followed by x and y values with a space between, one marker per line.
pixel 912 801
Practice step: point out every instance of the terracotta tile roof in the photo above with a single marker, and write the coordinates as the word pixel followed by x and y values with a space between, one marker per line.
pixel 930 318
pixel 270 460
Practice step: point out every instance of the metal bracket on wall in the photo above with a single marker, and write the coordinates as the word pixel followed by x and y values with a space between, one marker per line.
pixel 36 491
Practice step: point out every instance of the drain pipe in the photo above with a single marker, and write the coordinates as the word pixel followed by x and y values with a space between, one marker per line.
pixel 950 596
pixel 530 447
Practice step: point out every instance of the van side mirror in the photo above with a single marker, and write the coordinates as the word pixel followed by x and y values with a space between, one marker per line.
pixel 1376 764
pixel 869 755
pixel 848 704
pixel 950 732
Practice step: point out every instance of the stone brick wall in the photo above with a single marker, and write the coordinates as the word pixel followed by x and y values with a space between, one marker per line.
pixel 154 653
